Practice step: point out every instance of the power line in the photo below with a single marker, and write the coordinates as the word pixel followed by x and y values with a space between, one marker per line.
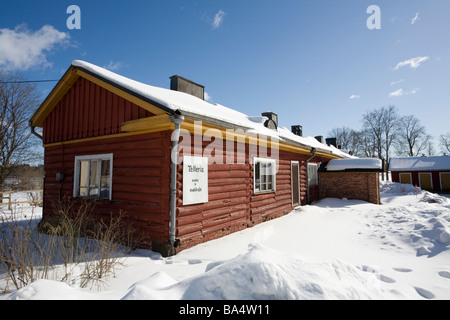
pixel 26 81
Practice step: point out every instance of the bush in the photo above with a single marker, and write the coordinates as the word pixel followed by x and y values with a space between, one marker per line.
pixel 72 246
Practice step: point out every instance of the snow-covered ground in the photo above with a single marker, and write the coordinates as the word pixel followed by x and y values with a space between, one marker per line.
pixel 335 249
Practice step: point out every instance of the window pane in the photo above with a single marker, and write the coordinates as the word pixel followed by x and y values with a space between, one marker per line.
pixel 312 175
pixel 257 176
pixel 105 179
pixel 84 175
pixel 263 176
pixel 94 179
pixel 269 182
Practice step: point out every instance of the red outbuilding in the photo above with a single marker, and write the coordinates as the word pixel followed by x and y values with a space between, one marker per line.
pixel 183 170
pixel 428 173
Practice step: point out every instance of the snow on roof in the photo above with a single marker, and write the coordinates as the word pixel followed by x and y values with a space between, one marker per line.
pixel 351 164
pixel 194 107
pixel 419 163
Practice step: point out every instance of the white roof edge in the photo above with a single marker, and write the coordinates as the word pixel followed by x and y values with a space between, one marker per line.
pixel 420 163
pixel 354 164
pixel 202 110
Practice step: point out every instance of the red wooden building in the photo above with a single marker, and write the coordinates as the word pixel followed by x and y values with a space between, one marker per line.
pixel 184 170
pixel 428 173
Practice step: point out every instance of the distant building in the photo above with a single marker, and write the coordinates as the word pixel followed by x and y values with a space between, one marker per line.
pixel 428 173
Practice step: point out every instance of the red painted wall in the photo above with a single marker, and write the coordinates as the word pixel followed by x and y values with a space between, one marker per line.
pixel 140 179
pixel 435 176
pixel 87 110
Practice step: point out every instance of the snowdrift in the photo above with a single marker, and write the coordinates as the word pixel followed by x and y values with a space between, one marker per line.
pixel 265 274
pixel 334 249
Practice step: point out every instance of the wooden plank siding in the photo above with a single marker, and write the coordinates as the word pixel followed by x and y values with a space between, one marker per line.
pixel 88 110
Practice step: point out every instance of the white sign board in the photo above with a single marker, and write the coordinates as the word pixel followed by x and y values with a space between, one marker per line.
pixel 195 180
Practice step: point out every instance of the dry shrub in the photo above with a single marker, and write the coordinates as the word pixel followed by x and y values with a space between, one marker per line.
pixel 73 246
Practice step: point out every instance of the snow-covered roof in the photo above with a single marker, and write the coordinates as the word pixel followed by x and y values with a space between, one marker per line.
pixel 354 164
pixel 198 109
pixel 419 163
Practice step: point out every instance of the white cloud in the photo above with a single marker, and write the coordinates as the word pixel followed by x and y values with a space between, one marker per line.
pixel 23 49
pixel 397 93
pixel 401 92
pixel 113 66
pixel 415 19
pixel 354 96
pixel 413 63
pixel 218 19
pixel 207 96
pixel 397 82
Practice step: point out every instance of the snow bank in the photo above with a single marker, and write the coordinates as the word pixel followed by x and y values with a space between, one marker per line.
pixel 398 189
pixel 335 249
pixel 49 290
pixel 423 222
pixel 260 274
pixel 264 273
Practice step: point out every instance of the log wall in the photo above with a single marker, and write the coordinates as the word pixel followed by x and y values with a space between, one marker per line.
pixel 233 205
pixel 140 179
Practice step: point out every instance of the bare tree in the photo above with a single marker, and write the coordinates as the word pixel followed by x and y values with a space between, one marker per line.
pixel 382 125
pixel 368 144
pixel 430 148
pixel 348 139
pixel 18 100
pixel 373 127
pixel 391 124
pixel 445 142
pixel 413 138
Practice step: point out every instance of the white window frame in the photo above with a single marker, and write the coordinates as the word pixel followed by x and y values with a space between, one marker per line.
pixel 313 181
pixel 77 171
pixel 257 180
pixel 299 200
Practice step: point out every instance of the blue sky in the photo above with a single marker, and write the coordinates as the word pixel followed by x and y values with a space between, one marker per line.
pixel 313 62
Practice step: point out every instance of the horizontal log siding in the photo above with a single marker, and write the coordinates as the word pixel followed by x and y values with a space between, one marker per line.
pixel 232 204
pixel 141 171
pixel 88 110
pixel 140 181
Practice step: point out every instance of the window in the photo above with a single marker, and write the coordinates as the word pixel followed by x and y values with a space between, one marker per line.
pixel 93 176
pixel 264 175
pixel 312 174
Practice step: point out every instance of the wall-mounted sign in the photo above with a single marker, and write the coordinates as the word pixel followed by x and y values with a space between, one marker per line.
pixel 195 180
